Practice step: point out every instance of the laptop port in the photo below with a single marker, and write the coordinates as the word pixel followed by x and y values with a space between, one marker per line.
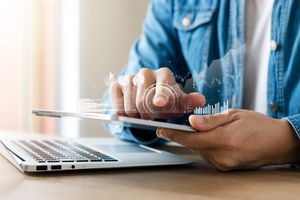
pixel 56 167
pixel 41 168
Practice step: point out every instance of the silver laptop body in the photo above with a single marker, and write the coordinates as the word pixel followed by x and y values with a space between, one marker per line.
pixel 39 155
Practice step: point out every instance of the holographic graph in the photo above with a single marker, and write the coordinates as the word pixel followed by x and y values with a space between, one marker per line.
pixel 217 81
pixel 212 109
pixel 221 71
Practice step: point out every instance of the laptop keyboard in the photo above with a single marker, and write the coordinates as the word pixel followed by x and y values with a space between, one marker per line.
pixel 56 151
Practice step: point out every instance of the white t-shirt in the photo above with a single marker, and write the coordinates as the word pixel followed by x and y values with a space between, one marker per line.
pixel 258 47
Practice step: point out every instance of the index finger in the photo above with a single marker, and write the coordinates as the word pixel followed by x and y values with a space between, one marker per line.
pixel 164 80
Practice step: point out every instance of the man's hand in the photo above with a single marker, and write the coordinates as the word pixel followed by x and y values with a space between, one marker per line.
pixel 152 94
pixel 239 139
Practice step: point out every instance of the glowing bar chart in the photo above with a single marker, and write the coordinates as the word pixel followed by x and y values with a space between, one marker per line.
pixel 212 109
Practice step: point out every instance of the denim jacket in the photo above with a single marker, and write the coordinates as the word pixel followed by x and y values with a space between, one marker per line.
pixel 204 40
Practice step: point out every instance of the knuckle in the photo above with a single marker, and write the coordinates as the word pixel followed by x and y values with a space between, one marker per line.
pixel 144 72
pixel 114 86
pixel 130 77
pixel 130 80
pixel 167 73
pixel 164 70
pixel 234 114
pixel 120 112
pixel 131 112
pixel 226 163
pixel 232 111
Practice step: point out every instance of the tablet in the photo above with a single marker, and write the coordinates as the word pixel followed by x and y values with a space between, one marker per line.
pixel 118 120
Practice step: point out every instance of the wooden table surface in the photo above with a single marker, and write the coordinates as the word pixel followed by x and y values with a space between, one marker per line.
pixel 198 181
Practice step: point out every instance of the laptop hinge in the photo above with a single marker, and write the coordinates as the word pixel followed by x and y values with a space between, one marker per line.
pixel 9 156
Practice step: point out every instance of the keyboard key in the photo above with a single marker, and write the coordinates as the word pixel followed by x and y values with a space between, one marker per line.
pixel 67 160
pixel 96 160
pixel 58 151
pixel 52 161
pixel 82 160
pixel 110 160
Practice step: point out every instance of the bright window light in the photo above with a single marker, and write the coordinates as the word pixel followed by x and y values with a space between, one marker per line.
pixel 69 66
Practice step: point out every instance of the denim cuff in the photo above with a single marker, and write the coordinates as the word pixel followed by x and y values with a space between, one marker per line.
pixel 294 121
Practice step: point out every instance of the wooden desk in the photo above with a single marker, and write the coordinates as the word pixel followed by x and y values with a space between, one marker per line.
pixel 199 181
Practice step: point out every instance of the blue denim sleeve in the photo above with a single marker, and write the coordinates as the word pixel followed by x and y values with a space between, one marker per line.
pixel 156 47
pixel 294 120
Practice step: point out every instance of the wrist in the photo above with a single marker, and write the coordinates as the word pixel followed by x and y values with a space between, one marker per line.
pixel 288 144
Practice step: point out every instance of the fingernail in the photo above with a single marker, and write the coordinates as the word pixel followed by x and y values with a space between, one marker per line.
pixel 158 132
pixel 160 101
pixel 196 118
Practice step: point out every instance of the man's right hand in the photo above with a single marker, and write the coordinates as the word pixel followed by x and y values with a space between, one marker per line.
pixel 152 94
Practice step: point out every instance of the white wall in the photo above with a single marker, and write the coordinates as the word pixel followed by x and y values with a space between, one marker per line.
pixel 107 30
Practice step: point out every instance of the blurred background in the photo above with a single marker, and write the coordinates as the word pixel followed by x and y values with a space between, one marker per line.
pixel 54 52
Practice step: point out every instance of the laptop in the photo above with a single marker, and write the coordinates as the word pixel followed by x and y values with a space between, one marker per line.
pixel 44 155
pixel 35 155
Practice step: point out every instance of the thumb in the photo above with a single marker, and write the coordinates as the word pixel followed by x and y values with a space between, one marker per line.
pixel 188 102
pixel 209 122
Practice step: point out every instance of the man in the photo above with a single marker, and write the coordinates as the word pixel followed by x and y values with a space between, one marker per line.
pixel 183 37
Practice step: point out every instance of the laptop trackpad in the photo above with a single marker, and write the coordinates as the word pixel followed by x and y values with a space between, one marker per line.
pixel 132 148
